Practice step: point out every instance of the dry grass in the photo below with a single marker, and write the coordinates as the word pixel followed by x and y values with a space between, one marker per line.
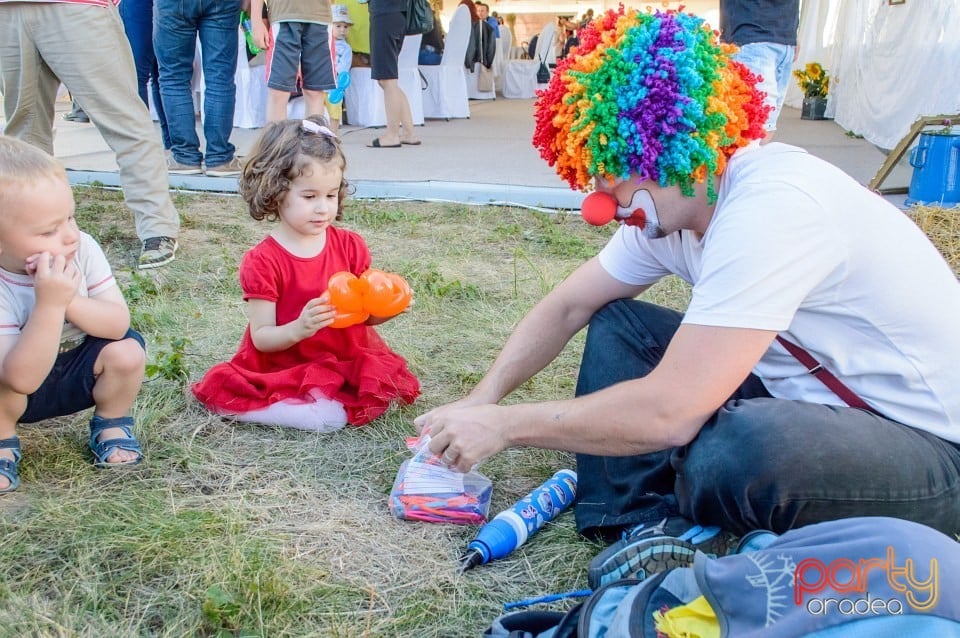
pixel 245 531
pixel 942 225
pixel 241 530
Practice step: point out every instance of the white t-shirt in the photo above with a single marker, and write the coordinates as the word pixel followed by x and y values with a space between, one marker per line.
pixel 797 246
pixel 17 295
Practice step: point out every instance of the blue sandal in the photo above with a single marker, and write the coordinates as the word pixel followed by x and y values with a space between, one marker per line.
pixel 103 449
pixel 9 469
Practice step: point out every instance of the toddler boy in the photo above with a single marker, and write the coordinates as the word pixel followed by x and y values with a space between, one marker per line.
pixel 300 40
pixel 65 337
pixel 343 59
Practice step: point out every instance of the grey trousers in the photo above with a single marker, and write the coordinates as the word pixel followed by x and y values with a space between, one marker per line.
pixel 45 43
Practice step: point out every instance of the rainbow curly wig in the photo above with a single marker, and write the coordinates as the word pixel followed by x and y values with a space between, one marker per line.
pixel 648 94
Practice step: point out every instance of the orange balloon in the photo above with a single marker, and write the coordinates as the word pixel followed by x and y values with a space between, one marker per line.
pixel 346 292
pixel 347 319
pixel 387 294
pixel 402 294
pixel 346 296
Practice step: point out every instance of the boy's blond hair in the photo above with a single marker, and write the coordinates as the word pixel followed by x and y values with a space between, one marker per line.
pixel 21 163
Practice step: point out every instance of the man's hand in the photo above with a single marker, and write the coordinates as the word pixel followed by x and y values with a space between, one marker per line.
pixel 464 434
pixel 55 279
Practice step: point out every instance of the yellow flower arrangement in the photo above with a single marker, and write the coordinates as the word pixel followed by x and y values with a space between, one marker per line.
pixel 813 80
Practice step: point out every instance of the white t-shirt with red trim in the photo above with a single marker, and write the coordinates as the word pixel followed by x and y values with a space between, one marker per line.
pixel 18 297
pixel 797 246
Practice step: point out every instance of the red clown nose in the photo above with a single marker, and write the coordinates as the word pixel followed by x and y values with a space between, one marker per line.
pixel 598 208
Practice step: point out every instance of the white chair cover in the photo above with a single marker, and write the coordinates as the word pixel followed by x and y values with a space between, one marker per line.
pixel 520 76
pixel 504 50
pixel 445 96
pixel 251 107
pixel 363 99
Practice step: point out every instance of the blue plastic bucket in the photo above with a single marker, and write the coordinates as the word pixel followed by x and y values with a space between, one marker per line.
pixel 936 170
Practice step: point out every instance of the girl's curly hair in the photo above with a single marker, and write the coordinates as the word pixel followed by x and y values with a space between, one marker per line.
pixel 280 155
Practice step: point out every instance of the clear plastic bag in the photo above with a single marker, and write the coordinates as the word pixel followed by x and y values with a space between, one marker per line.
pixel 427 490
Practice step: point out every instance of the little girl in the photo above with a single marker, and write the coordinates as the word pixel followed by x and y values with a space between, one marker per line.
pixel 292 369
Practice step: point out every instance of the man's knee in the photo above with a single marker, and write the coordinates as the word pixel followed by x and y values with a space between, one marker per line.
pixel 626 339
pixel 629 319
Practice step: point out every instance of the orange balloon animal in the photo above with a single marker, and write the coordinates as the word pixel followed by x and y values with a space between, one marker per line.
pixel 387 294
pixel 346 295
pixel 377 293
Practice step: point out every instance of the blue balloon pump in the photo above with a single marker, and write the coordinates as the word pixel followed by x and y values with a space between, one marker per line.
pixel 511 528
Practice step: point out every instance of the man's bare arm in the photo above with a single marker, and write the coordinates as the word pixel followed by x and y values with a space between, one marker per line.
pixel 701 368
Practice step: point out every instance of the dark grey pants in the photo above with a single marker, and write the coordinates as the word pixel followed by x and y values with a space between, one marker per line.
pixel 760 462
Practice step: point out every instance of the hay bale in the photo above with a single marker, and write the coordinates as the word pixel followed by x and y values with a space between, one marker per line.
pixel 942 226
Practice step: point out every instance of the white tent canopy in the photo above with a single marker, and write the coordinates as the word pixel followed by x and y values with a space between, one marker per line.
pixel 889 64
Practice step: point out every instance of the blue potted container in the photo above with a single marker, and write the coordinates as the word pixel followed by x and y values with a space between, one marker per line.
pixel 936 169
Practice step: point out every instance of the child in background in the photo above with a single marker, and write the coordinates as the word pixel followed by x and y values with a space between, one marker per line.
pixel 342 60
pixel 292 369
pixel 301 40
pixel 65 337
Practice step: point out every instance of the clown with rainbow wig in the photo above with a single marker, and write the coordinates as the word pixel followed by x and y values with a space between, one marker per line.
pixel 812 375
pixel 654 95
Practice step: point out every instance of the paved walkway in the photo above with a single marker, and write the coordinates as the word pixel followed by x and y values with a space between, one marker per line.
pixel 486 158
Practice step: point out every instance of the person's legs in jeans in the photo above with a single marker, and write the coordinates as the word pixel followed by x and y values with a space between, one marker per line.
pixel 776 464
pixel 175 44
pixel 626 340
pixel 759 463
pixel 137 16
pixel 219 45
pixel 769 60
pixel 784 69
pixel 99 73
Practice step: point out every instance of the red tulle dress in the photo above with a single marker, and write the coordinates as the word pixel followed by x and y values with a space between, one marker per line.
pixel 351 365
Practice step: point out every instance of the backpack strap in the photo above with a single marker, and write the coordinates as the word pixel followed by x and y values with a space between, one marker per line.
pixel 815 368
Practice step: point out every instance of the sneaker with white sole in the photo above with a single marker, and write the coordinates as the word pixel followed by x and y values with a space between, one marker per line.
pixel 156 252
pixel 231 169
pixel 176 168
pixel 648 550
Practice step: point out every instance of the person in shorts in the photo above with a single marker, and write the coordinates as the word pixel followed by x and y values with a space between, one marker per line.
pixel 766 33
pixel 65 338
pixel 302 44
pixel 388 24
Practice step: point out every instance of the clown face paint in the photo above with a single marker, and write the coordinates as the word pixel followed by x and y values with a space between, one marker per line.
pixel 642 212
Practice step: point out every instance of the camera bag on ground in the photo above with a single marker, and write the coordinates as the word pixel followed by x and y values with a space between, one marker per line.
pixel 871 576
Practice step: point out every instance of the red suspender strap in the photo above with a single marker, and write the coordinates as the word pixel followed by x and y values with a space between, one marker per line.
pixel 813 366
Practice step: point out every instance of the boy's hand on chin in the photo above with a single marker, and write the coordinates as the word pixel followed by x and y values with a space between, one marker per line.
pixel 54 278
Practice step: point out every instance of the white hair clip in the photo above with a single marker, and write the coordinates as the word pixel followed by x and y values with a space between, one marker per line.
pixel 318 129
